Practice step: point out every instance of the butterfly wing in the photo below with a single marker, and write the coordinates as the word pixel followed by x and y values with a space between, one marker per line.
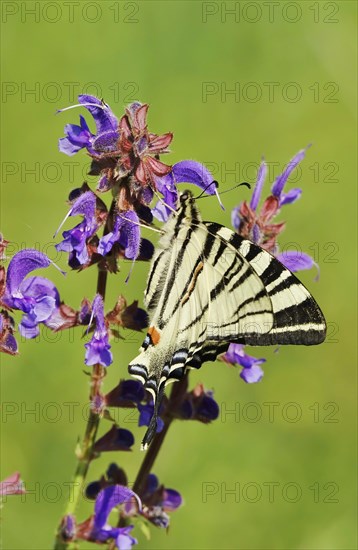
pixel 209 287
pixel 295 316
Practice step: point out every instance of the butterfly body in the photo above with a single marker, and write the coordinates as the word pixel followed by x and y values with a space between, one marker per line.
pixel 209 287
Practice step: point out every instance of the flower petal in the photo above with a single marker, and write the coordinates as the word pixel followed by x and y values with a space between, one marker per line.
pixel 281 180
pixel 22 263
pixel 295 260
pixel 124 541
pixel 106 142
pixel 116 439
pixel 85 206
pixel 290 197
pixel 252 375
pixel 107 499
pixel 158 143
pixel 104 118
pixel 190 171
pixel 98 349
pixel 260 180
pixel 171 500
pixel 236 355
pixel 77 138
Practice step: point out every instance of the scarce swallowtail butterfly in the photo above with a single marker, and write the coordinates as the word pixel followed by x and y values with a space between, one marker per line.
pixel 208 287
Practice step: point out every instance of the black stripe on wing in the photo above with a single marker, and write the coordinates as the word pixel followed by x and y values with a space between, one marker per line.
pixel 297 317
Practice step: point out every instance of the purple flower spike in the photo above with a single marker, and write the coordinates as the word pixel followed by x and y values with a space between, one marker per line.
pixel 37 297
pixel 296 260
pixel 260 180
pixel 98 349
pixel 277 187
pixel 251 371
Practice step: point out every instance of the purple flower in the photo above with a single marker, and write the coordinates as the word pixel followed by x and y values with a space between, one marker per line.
pixel 106 500
pixel 114 476
pixel 186 171
pixel 146 412
pixel 37 297
pixel 128 393
pixel 80 137
pixel 75 240
pixel 280 182
pixel 157 501
pixel 126 232
pixel 260 180
pixel 295 260
pixel 116 439
pixel 258 226
pixel 251 371
pixel 96 529
pixel 98 349
pixel 199 404
pixel 68 528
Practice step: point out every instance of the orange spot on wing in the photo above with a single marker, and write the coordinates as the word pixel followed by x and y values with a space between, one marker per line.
pixel 154 334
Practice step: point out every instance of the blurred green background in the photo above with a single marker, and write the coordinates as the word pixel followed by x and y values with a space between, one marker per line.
pixel 250 480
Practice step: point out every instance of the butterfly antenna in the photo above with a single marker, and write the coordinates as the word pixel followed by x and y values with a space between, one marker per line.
pixel 216 184
pixel 202 196
pixel 245 183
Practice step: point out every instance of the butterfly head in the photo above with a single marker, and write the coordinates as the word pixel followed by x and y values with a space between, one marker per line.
pixel 186 198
